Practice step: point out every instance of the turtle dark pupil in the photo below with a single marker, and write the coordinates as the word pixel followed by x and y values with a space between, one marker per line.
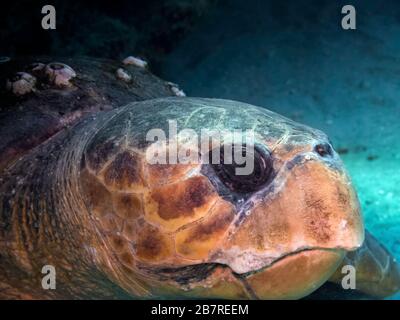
pixel 324 149
pixel 244 183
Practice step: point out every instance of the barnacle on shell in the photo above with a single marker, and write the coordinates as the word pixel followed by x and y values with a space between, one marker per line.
pixel 59 74
pixel 175 89
pixel 21 83
pixel 123 75
pixel 135 61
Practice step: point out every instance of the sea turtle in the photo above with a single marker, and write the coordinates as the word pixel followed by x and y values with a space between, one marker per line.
pixel 78 192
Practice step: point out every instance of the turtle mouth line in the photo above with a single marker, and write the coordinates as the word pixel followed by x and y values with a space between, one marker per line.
pixel 289 255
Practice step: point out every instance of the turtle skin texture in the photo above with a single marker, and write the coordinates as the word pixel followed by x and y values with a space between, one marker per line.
pixel 87 200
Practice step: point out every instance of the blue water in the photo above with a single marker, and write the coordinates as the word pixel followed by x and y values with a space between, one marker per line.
pixel 293 57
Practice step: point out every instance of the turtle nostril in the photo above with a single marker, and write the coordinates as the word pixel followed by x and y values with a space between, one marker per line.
pixel 324 149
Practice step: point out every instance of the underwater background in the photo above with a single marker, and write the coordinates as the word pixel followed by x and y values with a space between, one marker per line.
pixel 291 57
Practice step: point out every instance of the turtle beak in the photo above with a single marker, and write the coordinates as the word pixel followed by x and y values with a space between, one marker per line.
pixel 294 238
pixel 296 275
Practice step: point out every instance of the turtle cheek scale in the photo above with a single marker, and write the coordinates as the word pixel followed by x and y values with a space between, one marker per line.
pixel 300 226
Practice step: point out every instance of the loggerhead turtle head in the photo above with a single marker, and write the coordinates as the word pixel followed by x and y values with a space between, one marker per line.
pixel 197 228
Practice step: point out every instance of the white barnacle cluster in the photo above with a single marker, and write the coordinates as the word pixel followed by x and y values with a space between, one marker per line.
pixel 55 73
pixel 175 89
pixel 21 83
pixel 135 62
pixel 123 75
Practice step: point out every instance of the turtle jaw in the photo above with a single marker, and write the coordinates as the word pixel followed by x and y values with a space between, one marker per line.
pixel 295 275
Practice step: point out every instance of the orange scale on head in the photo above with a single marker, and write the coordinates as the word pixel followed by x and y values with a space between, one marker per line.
pixel 164 171
pixel 174 205
pixel 197 241
pixel 160 174
pixel 127 205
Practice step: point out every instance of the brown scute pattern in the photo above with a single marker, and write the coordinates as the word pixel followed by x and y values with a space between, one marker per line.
pixel 127 206
pixel 198 241
pixel 101 154
pixel 153 245
pixel 124 171
pixel 98 198
pixel 159 174
pixel 179 200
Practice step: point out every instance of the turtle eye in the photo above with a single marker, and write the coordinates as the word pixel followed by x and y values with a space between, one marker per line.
pixel 323 149
pixel 243 183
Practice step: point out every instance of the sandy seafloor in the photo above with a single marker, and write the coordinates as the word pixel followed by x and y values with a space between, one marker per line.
pixel 293 58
